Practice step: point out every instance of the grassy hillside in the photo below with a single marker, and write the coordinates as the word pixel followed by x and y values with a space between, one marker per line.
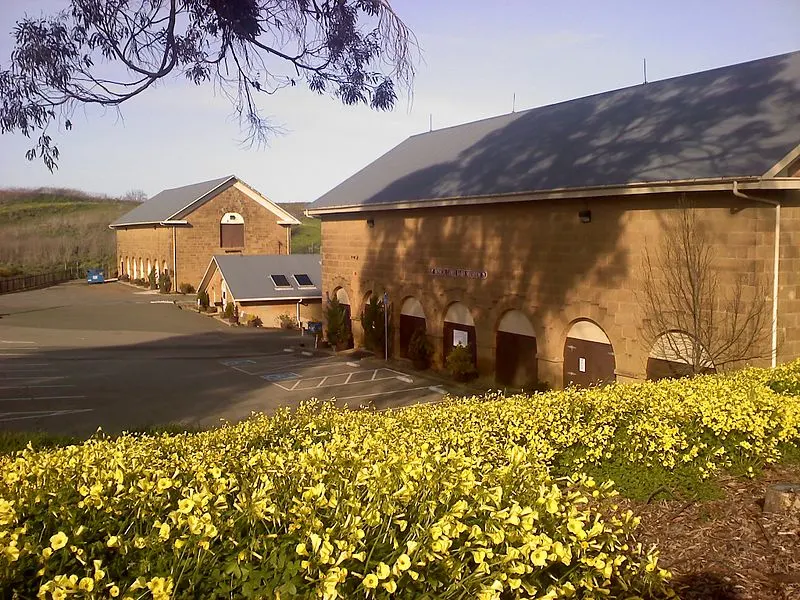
pixel 44 229
pixel 306 237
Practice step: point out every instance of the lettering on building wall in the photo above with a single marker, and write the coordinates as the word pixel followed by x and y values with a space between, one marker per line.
pixel 464 273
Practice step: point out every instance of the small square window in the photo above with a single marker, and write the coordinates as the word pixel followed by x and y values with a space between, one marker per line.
pixel 303 280
pixel 281 281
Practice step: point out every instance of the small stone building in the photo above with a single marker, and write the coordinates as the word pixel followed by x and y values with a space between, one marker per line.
pixel 178 230
pixel 271 287
pixel 524 235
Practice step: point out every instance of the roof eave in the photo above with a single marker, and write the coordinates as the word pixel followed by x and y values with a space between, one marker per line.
pixel 650 187
pixel 293 299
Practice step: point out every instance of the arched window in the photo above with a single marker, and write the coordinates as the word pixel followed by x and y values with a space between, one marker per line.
pixel 231 231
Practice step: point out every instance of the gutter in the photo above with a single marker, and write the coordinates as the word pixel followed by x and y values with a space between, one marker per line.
pixel 775 264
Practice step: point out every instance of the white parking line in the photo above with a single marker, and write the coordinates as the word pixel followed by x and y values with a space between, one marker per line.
pixel 414 389
pixel 38 414
pixel 23 386
pixel 19 364
pixel 298 385
pixel 280 367
pixel 16 342
pixel 40 398
pixel 35 369
pixel 29 378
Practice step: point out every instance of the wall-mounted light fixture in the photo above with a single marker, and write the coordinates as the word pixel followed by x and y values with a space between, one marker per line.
pixel 585 216
pixel 370 223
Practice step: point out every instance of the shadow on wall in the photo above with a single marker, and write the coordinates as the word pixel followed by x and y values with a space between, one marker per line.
pixel 543 263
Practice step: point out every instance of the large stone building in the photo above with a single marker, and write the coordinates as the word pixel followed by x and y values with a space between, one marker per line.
pixel 178 230
pixel 524 235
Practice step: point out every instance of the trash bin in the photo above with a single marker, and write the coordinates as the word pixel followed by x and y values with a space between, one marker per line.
pixel 95 276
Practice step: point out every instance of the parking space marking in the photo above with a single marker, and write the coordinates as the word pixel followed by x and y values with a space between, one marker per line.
pixel 414 389
pixel 352 364
pixel 279 366
pixel 237 361
pixel 16 342
pixel 38 414
pixel 40 398
pixel 23 386
pixel 280 376
pixel 36 378
pixel 309 383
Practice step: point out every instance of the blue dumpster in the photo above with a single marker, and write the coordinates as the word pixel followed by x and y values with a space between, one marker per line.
pixel 95 276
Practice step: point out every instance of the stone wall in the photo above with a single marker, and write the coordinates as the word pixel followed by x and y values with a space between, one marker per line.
pixel 541 259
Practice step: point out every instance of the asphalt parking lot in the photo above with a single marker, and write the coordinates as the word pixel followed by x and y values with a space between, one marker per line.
pixel 77 357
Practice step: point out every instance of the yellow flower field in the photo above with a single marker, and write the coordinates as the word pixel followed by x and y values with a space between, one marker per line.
pixel 455 500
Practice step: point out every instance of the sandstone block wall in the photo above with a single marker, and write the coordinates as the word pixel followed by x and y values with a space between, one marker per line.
pixel 540 259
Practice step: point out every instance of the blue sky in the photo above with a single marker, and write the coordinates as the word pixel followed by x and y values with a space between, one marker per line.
pixel 474 59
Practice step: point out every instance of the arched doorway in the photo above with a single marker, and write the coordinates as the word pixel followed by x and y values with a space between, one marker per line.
pixel 673 354
pixel 412 317
pixel 588 356
pixel 459 330
pixel 344 300
pixel 515 344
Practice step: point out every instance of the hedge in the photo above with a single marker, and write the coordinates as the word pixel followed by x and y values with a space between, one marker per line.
pixel 472 498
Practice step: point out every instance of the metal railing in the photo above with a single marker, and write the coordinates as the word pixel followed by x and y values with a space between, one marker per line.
pixel 40 280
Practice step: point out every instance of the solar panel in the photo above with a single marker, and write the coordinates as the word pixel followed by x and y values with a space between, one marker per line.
pixel 281 281
pixel 303 280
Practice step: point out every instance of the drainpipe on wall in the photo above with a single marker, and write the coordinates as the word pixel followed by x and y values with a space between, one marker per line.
pixel 175 257
pixel 775 264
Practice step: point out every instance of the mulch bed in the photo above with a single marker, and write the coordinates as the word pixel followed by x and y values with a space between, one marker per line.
pixel 728 549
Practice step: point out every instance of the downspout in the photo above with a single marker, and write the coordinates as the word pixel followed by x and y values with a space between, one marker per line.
pixel 175 256
pixel 775 265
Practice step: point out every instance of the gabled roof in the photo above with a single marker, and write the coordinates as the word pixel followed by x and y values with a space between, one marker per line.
pixel 248 276
pixel 732 122
pixel 175 203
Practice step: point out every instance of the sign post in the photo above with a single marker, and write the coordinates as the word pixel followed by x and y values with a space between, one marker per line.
pixel 385 326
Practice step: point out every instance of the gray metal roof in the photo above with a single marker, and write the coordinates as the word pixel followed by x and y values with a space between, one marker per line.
pixel 735 121
pixel 248 276
pixel 168 203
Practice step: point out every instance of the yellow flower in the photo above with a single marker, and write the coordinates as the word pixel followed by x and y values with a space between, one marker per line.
pixel 403 562
pixel 390 586
pixel 58 540
pixel 383 570
pixel 12 553
pixel 113 541
pixel 370 581
pixel 185 506
pixel 163 531
pixel 86 584
pixel 113 591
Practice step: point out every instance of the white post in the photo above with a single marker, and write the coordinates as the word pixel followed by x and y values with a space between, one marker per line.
pixel 386 326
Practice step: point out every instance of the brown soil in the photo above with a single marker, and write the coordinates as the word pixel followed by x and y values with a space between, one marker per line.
pixel 729 549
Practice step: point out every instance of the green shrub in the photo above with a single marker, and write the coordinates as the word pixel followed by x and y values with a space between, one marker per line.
pixel 230 311
pixel 373 323
pixel 338 331
pixel 420 349
pixel 286 322
pixel 186 288
pixel 151 279
pixel 460 365
pixel 165 283
pixel 202 298
pixel 254 321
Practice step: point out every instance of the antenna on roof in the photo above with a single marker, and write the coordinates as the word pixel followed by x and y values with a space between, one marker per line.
pixel 644 66
pixel 430 122
pixel 514 102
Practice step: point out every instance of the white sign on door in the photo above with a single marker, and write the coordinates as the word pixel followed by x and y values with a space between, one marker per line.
pixel 582 365
pixel 460 338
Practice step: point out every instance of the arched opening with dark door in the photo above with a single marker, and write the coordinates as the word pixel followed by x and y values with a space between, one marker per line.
pixel 515 347
pixel 588 356
pixel 673 355
pixel 412 317
pixel 459 330
pixel 341 295
pixel 231 231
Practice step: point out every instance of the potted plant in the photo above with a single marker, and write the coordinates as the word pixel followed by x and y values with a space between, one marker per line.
pixel 459 363
pixel 420 350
